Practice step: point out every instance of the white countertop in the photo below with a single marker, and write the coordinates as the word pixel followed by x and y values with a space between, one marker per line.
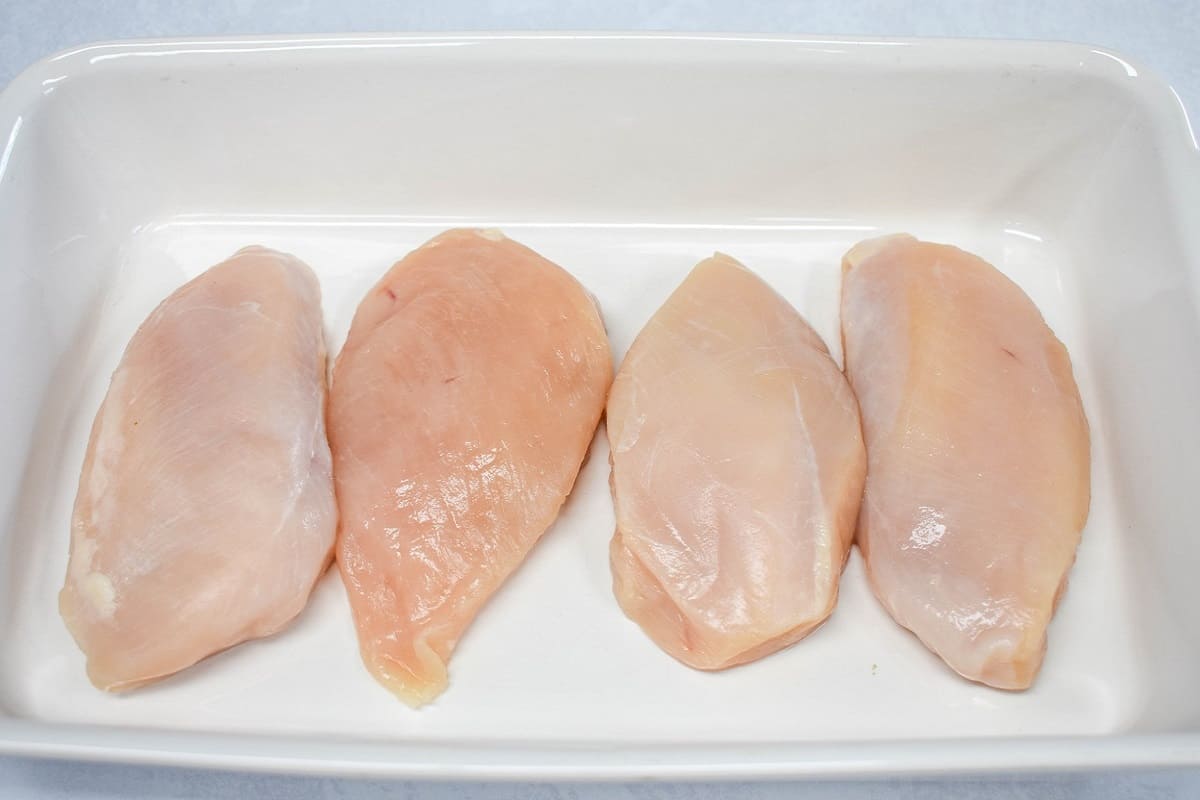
pixel 1160 34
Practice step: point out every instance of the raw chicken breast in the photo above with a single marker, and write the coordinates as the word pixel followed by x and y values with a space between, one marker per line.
pixel 462 407
pixel 205 511
pixel 978 476
pixel 737 469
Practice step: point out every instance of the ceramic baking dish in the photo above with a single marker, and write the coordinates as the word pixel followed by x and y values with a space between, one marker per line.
pixel 127 168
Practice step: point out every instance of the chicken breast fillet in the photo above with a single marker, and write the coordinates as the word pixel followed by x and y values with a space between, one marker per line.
pixel 205 511
pixel 462 407
pixel 737 470
pixel 978 477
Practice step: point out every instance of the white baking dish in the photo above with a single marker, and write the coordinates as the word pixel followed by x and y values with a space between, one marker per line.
pixel 127 168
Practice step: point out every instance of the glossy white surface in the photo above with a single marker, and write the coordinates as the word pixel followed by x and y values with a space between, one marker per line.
pixel 131 167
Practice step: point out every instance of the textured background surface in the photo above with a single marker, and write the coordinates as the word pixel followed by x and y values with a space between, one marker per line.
pixel 1161 34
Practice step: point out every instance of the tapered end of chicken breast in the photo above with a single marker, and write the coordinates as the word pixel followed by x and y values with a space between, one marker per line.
pixel 1015 672
pixel 416 681
pixel 869 248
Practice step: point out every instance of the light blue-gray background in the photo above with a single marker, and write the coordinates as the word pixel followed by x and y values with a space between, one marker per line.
pixel 1161 34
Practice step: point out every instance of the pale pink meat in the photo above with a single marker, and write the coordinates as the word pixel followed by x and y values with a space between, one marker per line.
pixel 205 510
pixel 737 469
pixel 978 453
pixel 462 407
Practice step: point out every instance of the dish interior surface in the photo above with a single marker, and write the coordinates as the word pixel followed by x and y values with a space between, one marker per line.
pixel 626 161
